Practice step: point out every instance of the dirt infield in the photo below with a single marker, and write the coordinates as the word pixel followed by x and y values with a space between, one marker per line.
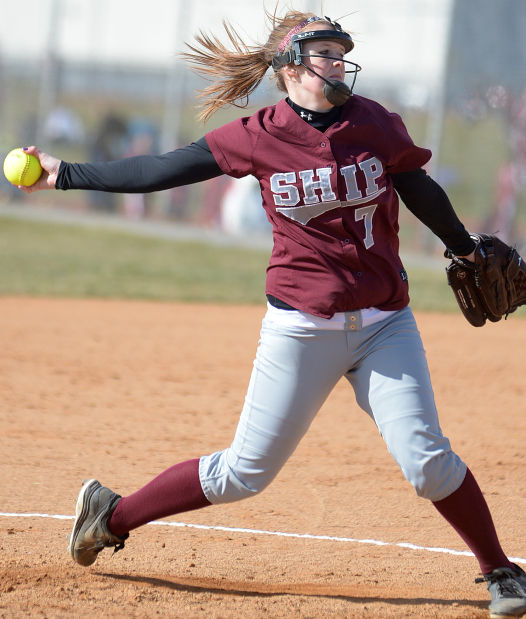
pixel 121 391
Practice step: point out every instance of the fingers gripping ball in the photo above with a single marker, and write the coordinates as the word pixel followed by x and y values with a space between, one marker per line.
pixel 21 168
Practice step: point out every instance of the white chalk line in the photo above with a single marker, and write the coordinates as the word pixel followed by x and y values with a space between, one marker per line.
pixel 327 538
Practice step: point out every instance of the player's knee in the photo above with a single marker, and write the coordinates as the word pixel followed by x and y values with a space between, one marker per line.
pixel 225 480
pixel 437 477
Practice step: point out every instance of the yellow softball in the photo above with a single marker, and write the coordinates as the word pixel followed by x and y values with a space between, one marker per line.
pixel 21 168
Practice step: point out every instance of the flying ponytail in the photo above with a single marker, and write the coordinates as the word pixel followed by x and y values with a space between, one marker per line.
pixel 235 73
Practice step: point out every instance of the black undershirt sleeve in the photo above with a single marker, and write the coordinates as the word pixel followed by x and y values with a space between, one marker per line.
pixel 142 174
pixel 426 199
pixel 195 163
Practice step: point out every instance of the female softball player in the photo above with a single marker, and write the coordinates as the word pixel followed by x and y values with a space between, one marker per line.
pixel 331 165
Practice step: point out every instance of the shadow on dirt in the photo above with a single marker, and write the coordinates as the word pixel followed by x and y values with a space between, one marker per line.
pixel 210 585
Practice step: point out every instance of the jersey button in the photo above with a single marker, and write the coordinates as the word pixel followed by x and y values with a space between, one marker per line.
pixel 347 241
pixel 323 144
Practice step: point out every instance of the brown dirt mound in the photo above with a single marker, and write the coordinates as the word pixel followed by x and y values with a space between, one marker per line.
pixel 122 390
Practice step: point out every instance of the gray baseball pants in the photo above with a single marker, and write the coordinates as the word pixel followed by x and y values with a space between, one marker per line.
pixel 295 370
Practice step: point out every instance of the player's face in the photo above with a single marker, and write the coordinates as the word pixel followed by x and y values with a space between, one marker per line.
pixel 326 58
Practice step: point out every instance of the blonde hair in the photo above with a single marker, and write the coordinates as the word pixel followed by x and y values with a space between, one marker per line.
pixel 236 73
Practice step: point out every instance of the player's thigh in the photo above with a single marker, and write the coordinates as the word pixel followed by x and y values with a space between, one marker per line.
pixel 294 372
pixel 392 377
pixel 393 385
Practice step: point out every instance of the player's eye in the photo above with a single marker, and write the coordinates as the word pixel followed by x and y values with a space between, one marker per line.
pixel 331 53
pixel 327 52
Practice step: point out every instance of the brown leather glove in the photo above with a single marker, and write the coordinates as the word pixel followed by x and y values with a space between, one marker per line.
pixel 492 286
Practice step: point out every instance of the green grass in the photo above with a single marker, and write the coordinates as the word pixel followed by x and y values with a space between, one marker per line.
pixel 64 260
pixel 41 259
pixel 429 290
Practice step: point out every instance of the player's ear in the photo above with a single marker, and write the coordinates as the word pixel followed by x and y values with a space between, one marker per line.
pixel 290 71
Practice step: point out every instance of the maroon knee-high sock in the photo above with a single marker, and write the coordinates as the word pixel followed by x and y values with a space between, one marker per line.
pixel 467 512
pixel 176 490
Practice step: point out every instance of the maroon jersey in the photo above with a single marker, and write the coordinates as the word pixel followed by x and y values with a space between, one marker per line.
pixel 330 200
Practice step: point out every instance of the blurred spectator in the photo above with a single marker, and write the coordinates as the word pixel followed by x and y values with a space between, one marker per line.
pixel 63 126
pixel 505 203
pixel 110 143
pixel 214 190
pixel 142 140
pixel 511 176
pixel 241 208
